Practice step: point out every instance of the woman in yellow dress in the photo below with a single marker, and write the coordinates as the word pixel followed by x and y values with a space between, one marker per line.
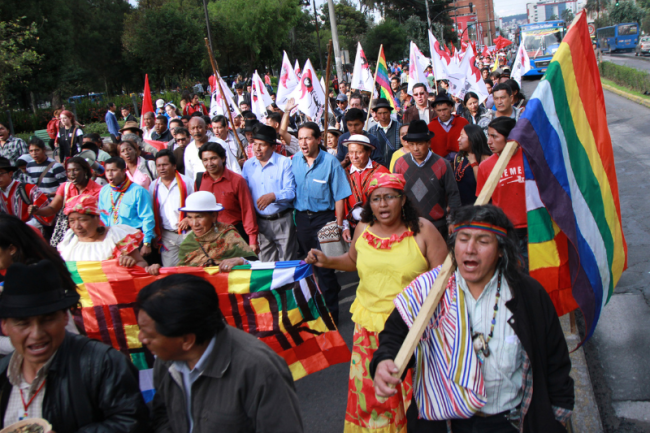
pixel 391 247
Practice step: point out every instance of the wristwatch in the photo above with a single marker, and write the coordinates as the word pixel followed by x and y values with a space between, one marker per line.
pixel 146 244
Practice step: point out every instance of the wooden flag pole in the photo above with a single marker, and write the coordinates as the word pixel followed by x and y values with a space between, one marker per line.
pixel 374 87
pixel 326 91
pixel 431 302
pixel 217 78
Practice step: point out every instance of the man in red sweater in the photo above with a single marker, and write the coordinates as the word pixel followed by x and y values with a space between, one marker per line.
pixel 445 126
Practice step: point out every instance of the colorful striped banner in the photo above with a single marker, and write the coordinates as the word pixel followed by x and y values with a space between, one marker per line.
pixel 279 303
pixel 383 81
pixel 575 232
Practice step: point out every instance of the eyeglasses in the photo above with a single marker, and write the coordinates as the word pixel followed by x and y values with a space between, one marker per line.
pixel 388 197
pixel 420 94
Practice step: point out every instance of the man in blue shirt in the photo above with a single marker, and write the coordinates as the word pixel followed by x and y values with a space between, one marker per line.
pixel 125 202
pixel 272 185
pixel 355 119
pixel 111 122
pixel 321 188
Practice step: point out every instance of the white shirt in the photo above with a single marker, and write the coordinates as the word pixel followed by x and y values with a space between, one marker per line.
pixel 353 169
pixel 387 127
pixel 424 114
pixel 169 200
pixel 194 165
pixel 146 133
pixel 232 149
pixel 503 368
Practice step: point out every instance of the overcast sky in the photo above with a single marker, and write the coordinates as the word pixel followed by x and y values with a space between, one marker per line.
pixel 505 8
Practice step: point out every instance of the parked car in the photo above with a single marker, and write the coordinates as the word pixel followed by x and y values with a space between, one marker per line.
pixel 643 46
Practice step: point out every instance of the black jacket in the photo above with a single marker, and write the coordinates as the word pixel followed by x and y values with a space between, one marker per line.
pixel 468 116
pixel 536 324
pixel 91 387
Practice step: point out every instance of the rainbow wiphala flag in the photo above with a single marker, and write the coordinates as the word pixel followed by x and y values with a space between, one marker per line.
pixel 279 303
pixel 576 245
pixel 383 82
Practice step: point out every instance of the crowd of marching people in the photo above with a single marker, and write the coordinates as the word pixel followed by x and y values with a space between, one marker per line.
pixel 384 188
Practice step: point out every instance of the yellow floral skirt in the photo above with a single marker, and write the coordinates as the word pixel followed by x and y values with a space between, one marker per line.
pixel 364 412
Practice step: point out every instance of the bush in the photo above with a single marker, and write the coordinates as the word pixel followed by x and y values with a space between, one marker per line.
pixel 88 112
pixel 631 78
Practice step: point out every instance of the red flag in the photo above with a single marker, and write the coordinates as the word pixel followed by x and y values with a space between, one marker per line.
pixel 501 42
pixel 463 47
pixel 448 51
pixel 160 145
pixel 485 52
pixel 147 106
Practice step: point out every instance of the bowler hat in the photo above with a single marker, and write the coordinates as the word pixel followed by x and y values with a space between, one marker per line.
pixel 264 133
pixel 34 290
pixel 249 124
pixel 381 103
pixel 418 131
pixel 131 126
pixel 201 201
pixel 442 98
pixel 5 164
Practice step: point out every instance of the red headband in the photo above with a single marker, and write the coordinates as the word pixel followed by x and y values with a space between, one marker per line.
pixel 386 180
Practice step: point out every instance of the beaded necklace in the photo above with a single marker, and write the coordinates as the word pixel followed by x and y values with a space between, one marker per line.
pixel 479 341
pixel 459 171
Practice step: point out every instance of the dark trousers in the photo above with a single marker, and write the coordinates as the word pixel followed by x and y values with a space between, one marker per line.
pixel 307 227
pixel 476 424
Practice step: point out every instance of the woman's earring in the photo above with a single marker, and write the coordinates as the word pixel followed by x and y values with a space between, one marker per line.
pixel 403 213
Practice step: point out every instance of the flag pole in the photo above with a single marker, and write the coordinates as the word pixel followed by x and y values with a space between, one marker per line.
pixel 374 87
pixel 326 91
pixel 431 302
pixel 215 70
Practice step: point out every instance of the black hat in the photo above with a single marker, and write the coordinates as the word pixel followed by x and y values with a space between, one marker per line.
pixel 381 103
pixel 264 133
pixel 249 124
pixel 418 131
pixel 442 98
pixel 6 164
pixel 34 290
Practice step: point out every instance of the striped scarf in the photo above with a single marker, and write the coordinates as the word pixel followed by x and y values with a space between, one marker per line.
pixel 182 188
pixel 448 382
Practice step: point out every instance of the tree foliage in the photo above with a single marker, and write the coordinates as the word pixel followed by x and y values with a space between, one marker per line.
pixel 17 54
pixel 391 35
pixel 625 12
pixel 250 31
pixel 351 24
pixel 567 16
pixel 166 41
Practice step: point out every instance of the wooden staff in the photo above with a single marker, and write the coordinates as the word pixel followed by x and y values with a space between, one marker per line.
pixel 374 87
pixel 431 302
pixel 326 90
pixel 215 69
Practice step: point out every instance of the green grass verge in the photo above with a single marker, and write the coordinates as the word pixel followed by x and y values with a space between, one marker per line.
pixel 625 89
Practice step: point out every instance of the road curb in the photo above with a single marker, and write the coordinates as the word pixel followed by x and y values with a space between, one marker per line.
pixel 586 416
pixel 627 95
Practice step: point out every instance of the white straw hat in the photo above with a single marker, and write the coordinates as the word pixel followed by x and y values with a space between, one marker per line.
pixel 201 201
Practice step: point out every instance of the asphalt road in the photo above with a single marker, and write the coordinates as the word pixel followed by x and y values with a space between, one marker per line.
pixel 629 59
pixel 618 355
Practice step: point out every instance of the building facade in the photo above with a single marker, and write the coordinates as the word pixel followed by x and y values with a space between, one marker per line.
pixel 547 11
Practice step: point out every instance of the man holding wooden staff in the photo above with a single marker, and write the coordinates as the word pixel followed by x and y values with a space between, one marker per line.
pixel 493 357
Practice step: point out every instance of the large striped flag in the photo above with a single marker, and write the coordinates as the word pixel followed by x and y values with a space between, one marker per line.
pixel 383 81
pixel 576 245
pixel 279 303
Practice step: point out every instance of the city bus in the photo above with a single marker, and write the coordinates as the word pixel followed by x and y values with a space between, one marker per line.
pixel 541 41
pixel 621 37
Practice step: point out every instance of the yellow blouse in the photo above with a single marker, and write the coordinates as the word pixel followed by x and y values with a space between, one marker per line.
pixel 383 273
